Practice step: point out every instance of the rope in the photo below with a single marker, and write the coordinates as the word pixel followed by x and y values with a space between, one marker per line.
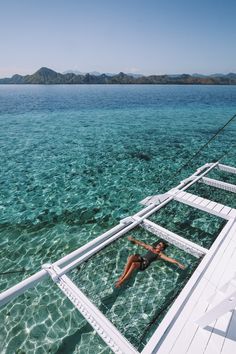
pixel 14 271
pixel 170 298
pixel 202 148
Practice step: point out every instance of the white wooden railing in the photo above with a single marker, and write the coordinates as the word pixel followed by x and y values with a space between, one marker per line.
pixel 57 271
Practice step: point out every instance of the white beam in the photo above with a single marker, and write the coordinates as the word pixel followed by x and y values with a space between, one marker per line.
pixel 226 168
pixel 104 328
pixel 219 184
pixel 82 253
pixel 171 317
pixel 199 203
pixel 180 242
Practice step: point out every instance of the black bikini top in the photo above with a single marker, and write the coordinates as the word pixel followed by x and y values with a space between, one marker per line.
pixel 150 256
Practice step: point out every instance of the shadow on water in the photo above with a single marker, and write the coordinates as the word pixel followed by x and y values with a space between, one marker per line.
pixel 69 343
pixel 47 220
pixel 108 301
pixel 170 297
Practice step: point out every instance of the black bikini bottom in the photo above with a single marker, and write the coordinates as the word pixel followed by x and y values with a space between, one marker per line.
pixel 143 263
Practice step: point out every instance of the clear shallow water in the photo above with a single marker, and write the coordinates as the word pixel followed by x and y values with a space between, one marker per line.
pixel 188 222
pixel 76 159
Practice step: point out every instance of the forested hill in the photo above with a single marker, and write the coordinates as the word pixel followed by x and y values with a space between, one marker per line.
pixel 47 76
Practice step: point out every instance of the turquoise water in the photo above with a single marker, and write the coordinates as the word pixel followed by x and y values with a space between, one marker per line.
pixel 74 161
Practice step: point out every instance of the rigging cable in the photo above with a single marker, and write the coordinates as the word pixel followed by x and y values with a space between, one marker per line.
pixel 14 271
pixel 203 147
pixel 169 301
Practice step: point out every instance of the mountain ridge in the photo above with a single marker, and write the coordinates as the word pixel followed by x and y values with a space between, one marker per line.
pixel 47 76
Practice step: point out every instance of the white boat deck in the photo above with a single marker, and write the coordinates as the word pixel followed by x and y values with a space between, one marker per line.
pixel 179 333
pixel 206 205
pixel 203 317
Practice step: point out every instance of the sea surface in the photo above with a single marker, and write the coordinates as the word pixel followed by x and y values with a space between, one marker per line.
pixel 74 161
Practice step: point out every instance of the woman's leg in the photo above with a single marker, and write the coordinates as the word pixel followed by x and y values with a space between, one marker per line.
pixel 134 265
pixel 130 260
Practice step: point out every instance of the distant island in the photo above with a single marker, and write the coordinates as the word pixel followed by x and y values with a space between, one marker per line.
pixel 45 76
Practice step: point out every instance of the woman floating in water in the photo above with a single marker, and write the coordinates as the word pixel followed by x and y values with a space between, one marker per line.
pixel 142 262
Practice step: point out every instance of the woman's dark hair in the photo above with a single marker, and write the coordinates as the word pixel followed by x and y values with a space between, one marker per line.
pixel 165 244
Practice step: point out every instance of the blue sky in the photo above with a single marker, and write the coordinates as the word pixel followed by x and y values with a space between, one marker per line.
pixel 149 37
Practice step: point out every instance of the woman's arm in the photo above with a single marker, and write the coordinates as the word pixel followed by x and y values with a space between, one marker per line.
pixel 140 243
pixel 171 260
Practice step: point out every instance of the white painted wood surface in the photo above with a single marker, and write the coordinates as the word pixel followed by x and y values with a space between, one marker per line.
pixel 81 254
pixel 178 333
pixel 226 168
pixel 184 335
pixel 174 239
pixel 203 204
pixel 219 184
pixel 107 331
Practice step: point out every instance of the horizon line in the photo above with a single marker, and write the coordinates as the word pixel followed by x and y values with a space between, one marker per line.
pixel 97 73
